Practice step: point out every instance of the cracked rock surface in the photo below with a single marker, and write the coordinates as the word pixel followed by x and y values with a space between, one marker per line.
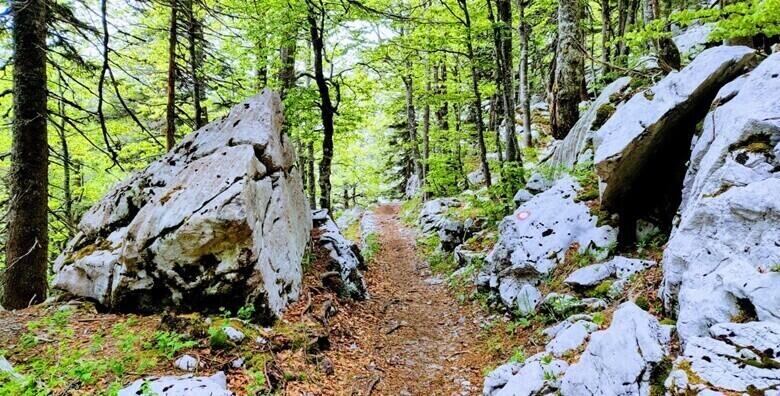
pixel 221 219
pixel 718 262
pixel 345 257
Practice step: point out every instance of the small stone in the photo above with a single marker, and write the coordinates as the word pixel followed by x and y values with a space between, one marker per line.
pixel 238 363
pixel 233 334
pixel 186 363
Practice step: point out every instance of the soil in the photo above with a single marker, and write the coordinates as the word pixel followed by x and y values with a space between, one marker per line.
pixel 414 337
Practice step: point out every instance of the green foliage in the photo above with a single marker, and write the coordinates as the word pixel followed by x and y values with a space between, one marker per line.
pixel 247 312
pixel 602 290
pixel 518 356
pixel 371 247
pixel 218 339
pixel 169 343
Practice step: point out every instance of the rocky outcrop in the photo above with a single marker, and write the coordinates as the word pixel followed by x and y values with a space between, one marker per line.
pixel 721 260
pixel 369 228
pixel 535 238
pixel 434 219
pixel 693 40
pixel 344 255
pixel 641 151
pixel 620 360
pixel 187 385
pixel 568 336
pixel 577 146
pixel 736 357
pixel 538 375
pixel 219 221
pixel 618 267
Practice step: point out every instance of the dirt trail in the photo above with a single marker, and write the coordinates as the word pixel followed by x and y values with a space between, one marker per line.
pixel 418 340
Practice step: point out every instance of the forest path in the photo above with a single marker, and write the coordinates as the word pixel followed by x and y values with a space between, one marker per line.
pixel 421 341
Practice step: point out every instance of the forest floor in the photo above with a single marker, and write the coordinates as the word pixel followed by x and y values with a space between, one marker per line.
pixel 415 338
pixel 411 337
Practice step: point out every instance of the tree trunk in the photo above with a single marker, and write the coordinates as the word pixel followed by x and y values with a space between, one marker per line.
pixel 605 37
pixel 426 142
pixel 477 95
pixel 170 111
pixel 316 18
pixel 193 41
pixel 24 279
pixel 504 8
pixel 287 72
pixel 524 94
pixel 411 125
pixel 262 66
pixel 70 220
pixel 568 69
pixel 442 113
pixel 668 55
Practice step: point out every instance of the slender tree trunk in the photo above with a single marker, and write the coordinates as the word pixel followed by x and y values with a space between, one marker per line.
pixel 193 27
pixel 504 8
pixel 622 11
pixel 70 220
pixel 316 19
pixel 411 125
pixel 170 118
pixel 312 177
pixel 477 95
pixel 287 72
pixel 442 114
pixel 24 279
pixel 262 65
pixel 606 20
pixel 524 94
pixel 426 141
pixel 569 69
pixel 668 55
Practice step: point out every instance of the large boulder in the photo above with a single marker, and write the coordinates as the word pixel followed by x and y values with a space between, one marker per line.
pixel 736 357
pixel 621 359
pixel 434 213
pixel 693 39
pixel 722 259
pixel 641 151
pixel 344 255
pixel 576 145
pixel 535 238
pixel 219 221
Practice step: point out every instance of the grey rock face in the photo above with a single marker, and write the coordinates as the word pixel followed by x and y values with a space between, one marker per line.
pixel 570 337
pixel 221 218
pixel 433 213
pixel 539 375
pixel 234 334
pixel 734 357
pixel 369 228
pixel 717 263
pixel 535 238
pixel 522 196
pixel 7 368
pixel 345 257
pixel 620 359
pixel 538 183
pixel 694 39
pixel 579 140
pixel 413 186
pixel 660 119
pixel 187 385
pixel 619 266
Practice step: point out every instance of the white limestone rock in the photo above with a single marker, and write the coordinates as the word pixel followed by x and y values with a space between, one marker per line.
pixel 719 257
pixel 369 229
pixel 693 40
pixel 650 120
pixel 535 238
pixel 7 369
pixel 620 359
pixel 345 257
pixel 234 334
pixel 186 363
pixel 576 144
pixel 522 196
pixel 221 218
pixel 570 337
pixel 187 385
pixel 591 275
pixel 348 217
pixel 538 375
pixel 433 213
pixel 736 357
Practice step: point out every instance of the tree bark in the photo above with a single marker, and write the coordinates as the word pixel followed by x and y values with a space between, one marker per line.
pixel 316 19
pixel 477 95
pixel 287 72
pixel 193 41
pixel 411 125
pixel 24 279
pixel 666 50
pixel 262 66
pixel 606 21
pixel 426 141
pixel 170 111
pixel 569 74
pixel 524 94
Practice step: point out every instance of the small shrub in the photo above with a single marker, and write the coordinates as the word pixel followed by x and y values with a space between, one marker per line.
pixel 169 343
pixel 218 339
